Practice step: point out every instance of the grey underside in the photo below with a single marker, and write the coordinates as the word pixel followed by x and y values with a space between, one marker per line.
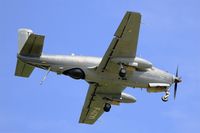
pixel 102 74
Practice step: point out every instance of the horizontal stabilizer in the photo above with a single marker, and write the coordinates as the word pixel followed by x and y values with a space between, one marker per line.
pixel 22 69
pixel 33 46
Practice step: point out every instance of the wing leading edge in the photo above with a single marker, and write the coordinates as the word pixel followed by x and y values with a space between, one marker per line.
pixel 124 44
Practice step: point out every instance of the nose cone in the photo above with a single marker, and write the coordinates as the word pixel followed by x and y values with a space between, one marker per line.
pixel 177 79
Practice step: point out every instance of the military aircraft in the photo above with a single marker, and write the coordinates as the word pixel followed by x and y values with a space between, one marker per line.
pixel 108 76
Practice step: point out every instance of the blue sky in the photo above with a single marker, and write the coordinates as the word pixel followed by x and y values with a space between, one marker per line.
pixel 169 36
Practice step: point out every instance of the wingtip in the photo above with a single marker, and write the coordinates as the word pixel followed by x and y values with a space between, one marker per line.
pixel 134 13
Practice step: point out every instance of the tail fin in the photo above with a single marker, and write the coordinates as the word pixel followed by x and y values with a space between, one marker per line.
pixel 23 35
pixel 29 45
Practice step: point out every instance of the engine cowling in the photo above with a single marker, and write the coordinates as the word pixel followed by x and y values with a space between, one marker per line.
pixel 75 73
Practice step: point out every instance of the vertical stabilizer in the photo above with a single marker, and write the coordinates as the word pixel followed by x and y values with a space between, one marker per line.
pixel 23 69
pixel 23 35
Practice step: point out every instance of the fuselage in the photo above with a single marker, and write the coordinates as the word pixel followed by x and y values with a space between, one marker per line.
pixel 135 77
pixel 108 76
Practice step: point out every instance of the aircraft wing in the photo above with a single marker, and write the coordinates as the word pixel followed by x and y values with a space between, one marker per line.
pixel 124 44
pixel 95 102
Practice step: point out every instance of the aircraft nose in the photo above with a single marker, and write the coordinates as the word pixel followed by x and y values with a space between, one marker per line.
pixel 177 79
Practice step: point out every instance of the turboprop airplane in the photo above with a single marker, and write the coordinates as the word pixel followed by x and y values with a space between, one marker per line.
pixel 108 76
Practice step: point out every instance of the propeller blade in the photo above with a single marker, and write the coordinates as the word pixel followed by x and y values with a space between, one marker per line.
pixel 177 71
pixel 176 83
pixel 175 90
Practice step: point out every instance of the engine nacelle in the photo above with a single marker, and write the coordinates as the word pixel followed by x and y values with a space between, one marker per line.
pixel 75 73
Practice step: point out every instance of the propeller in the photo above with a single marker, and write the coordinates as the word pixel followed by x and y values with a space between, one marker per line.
pixel 176 81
